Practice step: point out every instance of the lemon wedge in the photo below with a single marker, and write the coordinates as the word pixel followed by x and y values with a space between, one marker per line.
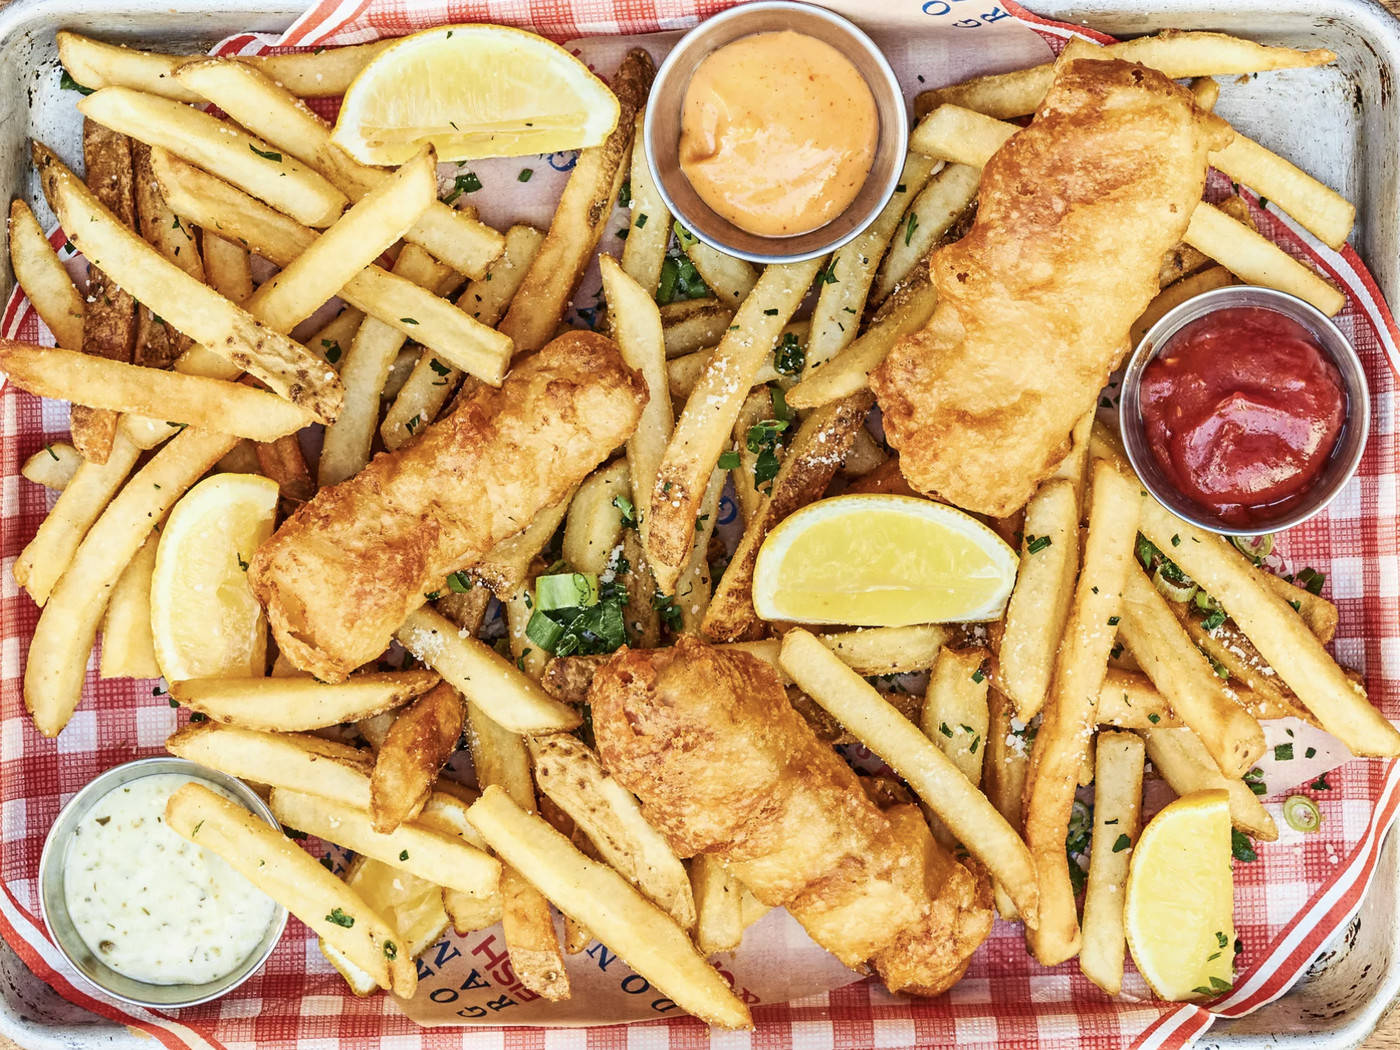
pixel 882 561
pixel 1179 907
pixel 472 91
pixel 205 621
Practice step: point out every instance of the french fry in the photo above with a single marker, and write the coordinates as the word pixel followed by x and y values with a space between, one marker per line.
pixel 157 344
pixel 594 523
pixel 841 301
pixel 447 811
pixel 636 325
pixel 1317 208
pixel 46 557
pixel 391 298
pixel 418 744
pixel 128 650
pixel 1040 602
pixel 865 455
pixel 584 210
pixel 484 677
pixel 324 73
pixel 1281 636
pixel 683 372
pixel 190 306
pixel 1004 768
pixel 967 813
pixel 53 466
pixel 1180 261
pixel 573 777
pixel 229 270
pixel 1176 53
pixel 719 923
pixel 41 276
pixel 67 628
pixel 1173 295
pixel 1182 674
pixel 1129 700
pixel 848 373
pixel 729 278
pixel 284 462
pixel 704 426
pixel 519 608
pixel 962 136
pixel 955 713
pixel 268 109
pixel 297 761
pixel 292 877
pixel 644 936
pixel 649 230
pixel 502 762
pixel 930 215
pixel 215 145
pixel 1317 612
pixel 299 703
pixel 1068 718
pixel 443 859
pixel 694 588
pixel 808 467
pixel 1186 765
pixel 432 381
pixel 692 325
pixel 1117 813
pixel 213 404
pixel 506 567
pixel 641 616
pixel 412 906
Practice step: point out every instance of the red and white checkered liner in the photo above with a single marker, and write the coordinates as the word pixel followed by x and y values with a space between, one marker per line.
pixel 1288 902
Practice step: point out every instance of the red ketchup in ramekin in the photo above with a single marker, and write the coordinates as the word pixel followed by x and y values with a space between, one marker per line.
pixel 1242 410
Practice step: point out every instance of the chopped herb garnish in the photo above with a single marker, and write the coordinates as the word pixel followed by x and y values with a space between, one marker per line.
pixel 585 630
pixel 1121 843
pixel 827 274
pixel 67 83
pixel 629 512
pixel 910 227
pixel 943 728
pixel 1214 620
pixel 525 174
pixel 640 221
pixel 1310 752
pixel 1113 621
pixel 1241 848
pixel 669 612
pixel 729 460
pixel 1154 718
pixel 1283 752
pixel 1320 784
pixel 409 320
pixel 1310 580
pixel 789 358
pixel 403 854
pixel 391 950
pixel 339 917
pixel 1036 544
pixel 979 676
pixel 464 183
pixel 332 349
pixel 266 154
pixel 770 312
pixel 459 583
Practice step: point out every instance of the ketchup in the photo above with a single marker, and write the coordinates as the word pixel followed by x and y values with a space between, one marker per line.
pixel 1242 409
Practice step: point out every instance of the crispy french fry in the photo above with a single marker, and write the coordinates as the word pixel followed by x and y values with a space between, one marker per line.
pixel 1129 700
pixel 505 569
pixel 692 325
pixel 650 230
pixel 636 325
pixel 683 372
pixel 694 588
pixel 1317 612
pixel 190 306
pixel 128 650
pixel 292 877
pixel 719 924
pixel 299 703
pixel 841 302
pixel 157 344
pixel 584 209
pixel 284 462
pixel 67 628
pixel 848 373
pixel 41 276
pixel 1281 636
pixel 968 814
pixel 1179 262
pixel 1117 812
pixel 325 73
pixel 594 524
pixel 573 777
pixel 729 278
pixel 1040 601
pixel 930 215
pixel 217 145
pixel 962 136
pixel 1181 673
pixel 641 615
pixel 642 934
pixel 865 455
pixel 704 426
pixel 53 466
pixel 1317 208
pixel 484 677
pixel 955 714
pixel 519 608
pixel 1004 768
pixel 46 557
pixel 1068 718
pixel 1173 295
pixel 297 761
pixel 268 109
pixel 400 303
pixel 1176 53
pixel 228 268
pixel 418 744
pixel 1186 765
pixel 213 404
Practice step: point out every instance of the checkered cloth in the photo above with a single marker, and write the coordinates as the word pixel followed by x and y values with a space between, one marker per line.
pixel 1289 901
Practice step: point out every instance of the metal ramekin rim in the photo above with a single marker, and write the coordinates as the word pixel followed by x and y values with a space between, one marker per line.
pixel 899 127
pixel 54 855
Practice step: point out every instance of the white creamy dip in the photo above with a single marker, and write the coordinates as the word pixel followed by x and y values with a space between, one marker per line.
pixel 152 905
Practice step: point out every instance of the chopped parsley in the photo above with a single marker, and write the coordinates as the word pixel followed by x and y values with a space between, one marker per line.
pixel 670 613
pixel 403 854
pixel 459 583
pixel 525 175
pixel 763 441
pixel 628 512
pixel 1241 848
pixel 979 676
pixel 1310 580
pixel 339 917
pixel 789 357
pixel 1154 718
pixel 67 83
pixel 268 154
pixel 910 227
pixel 729 460
pixel 585 629
pixel 464 183
pixel 1121 843
pixel 332 349
pixel 391 950
pixel 1283 752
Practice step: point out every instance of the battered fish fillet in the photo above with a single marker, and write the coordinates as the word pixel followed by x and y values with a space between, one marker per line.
pixel 1035 304
pixel 342 573
pixel 723 765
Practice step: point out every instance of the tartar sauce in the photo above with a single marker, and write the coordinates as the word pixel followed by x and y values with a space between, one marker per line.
pixel 152 905
pixel 778 132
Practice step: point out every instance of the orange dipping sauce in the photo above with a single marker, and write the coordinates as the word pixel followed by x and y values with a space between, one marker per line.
pixel 778 132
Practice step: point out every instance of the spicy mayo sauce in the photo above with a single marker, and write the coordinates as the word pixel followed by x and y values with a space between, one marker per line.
pixel 778 132
pixel 1242 409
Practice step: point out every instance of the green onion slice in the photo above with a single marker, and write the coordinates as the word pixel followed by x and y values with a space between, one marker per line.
pixel 1182 590
pixel 1254 546
pixel 1302 814
pixel 566 590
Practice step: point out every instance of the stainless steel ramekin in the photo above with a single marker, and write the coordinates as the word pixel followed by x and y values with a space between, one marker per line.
pixel 55 906
pixel 1350 443
pixel 663 129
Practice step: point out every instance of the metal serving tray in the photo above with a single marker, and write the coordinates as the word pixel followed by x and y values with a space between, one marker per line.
pixel 1342 124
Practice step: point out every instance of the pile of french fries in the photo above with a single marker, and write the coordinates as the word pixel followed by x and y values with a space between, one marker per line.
pixel 178 363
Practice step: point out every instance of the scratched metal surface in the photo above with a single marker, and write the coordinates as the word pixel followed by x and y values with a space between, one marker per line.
pixel 1342 124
